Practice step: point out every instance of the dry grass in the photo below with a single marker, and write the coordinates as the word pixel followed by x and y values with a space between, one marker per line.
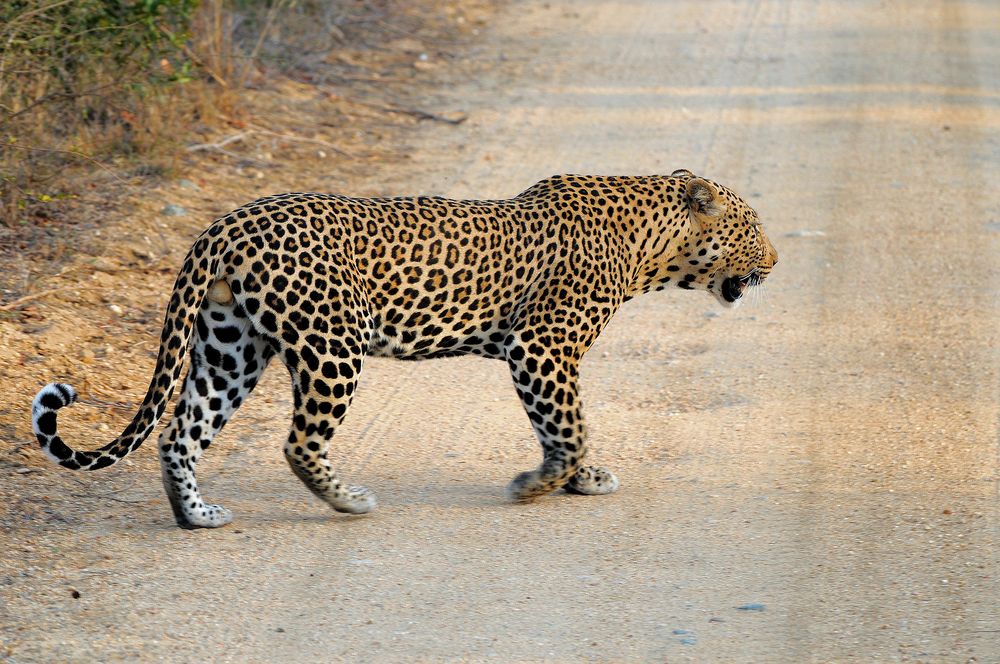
pixel 81 82
pixel 88 86
pixel 82 104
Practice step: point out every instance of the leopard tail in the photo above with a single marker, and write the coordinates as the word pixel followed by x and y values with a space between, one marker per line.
pixel 200 270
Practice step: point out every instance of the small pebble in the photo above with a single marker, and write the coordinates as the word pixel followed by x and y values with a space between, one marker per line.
pixel 187 184
pixel 116 309
pixel 74 593
pixel 751 607
pixel 24 471
pixel 172 210
pixel 681 631
pixel 805 232
pixel 689 641
pixel 280 630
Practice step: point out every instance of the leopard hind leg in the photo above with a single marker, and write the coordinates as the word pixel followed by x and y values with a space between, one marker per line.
pixel 324 376
pixel 227 359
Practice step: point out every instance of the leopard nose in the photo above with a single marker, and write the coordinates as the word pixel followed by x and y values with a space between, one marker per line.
pixel 773 253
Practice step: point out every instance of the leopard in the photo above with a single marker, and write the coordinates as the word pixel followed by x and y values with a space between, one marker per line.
pixel 322 281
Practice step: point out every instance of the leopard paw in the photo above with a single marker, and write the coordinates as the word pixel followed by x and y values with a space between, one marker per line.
pixel 592 481
pixel 528 485
pixel 356 500
pixel 206 516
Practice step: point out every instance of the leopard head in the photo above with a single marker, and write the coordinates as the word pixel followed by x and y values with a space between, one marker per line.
pixel 727 252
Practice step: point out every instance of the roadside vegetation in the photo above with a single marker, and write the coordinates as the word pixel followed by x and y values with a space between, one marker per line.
pixel 92 90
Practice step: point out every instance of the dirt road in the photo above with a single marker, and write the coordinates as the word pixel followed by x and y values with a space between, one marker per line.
pixel 812 477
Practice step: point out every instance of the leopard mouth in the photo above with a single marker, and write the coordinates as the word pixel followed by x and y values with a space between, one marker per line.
pixel 734 287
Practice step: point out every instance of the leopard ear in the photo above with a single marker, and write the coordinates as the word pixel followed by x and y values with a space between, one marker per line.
pixel 682 173
pixel 705 199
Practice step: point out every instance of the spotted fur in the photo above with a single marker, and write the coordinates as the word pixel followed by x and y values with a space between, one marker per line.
pixel 322 281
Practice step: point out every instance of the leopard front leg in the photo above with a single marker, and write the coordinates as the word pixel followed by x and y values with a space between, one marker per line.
pixel 546 382
pixel 592 481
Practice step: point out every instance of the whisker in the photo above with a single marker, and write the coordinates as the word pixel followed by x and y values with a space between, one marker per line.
pixel 760 293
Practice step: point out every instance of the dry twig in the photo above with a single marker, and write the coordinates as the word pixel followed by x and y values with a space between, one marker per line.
pixel 413 112
pixel 219 146
pixel 69 152
pixel 21 301
pixel 268 22
pixel 303 139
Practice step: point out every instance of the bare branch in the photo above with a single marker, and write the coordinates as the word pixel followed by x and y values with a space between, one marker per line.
pixel 21 301
pixel 14 146
pixel 218 145
pixel 268 22
pixel 303 139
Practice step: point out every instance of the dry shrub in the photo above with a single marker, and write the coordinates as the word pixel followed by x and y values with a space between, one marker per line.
pixel 82 82
pixel 102 88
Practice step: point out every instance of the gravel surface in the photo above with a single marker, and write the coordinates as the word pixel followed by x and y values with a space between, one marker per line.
pixel 810 477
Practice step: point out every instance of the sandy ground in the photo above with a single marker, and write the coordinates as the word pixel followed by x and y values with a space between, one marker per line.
pixel 811 477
